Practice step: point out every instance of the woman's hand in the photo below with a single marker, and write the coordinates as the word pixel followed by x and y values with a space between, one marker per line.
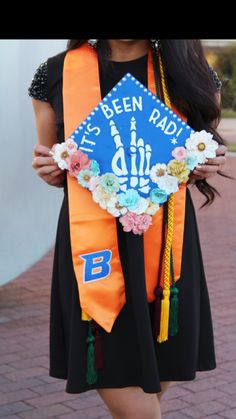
pixel 46 168
pixel 211 167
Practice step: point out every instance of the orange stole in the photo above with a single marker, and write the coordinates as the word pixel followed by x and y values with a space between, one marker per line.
pixel 93 229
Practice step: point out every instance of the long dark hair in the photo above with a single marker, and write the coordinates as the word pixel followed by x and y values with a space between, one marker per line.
pixel 191 88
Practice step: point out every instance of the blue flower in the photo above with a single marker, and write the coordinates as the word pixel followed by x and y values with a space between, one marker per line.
pixel 191 160
pixel 158 196
pixel 129 199
pixel 94 166
pixel 110 183
pixel 84 177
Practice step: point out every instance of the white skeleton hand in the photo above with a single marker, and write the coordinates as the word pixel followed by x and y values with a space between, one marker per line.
pixel 140 159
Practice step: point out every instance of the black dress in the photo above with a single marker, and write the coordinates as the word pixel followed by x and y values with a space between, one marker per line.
pixel 132 356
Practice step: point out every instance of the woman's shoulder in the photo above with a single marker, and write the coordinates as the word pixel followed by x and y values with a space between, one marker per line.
pixel 56 62
pixel 47 76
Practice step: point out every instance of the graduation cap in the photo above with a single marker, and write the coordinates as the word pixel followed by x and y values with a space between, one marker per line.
pixel 147 147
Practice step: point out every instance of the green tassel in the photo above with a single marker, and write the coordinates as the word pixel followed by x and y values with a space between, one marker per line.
pixel 91 376
pixel 174 309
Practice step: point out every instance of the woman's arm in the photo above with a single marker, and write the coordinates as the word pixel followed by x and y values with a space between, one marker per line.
pixel 45 123
pixel 43 163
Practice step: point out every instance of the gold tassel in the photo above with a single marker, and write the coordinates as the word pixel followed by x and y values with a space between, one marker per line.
pixel 165 310
pixel 165 303
pixel 85 316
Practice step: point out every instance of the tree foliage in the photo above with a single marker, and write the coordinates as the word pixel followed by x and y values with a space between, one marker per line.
pixel 225 65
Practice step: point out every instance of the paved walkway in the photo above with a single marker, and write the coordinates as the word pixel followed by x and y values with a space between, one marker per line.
pixel 26 390
pixel 227 128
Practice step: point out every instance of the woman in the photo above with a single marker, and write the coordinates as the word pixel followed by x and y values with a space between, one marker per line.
pixel 136 368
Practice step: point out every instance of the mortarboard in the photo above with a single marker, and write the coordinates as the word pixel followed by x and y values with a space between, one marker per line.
pixel 132 151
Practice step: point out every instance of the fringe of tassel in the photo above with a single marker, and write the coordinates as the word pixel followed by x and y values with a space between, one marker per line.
pixel 94 349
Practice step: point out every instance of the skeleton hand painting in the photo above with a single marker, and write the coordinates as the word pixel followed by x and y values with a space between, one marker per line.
pixel 140 154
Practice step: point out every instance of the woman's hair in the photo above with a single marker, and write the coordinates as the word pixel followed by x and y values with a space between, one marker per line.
pixel 190 85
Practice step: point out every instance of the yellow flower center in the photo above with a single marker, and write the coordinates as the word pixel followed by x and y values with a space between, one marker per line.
pixel 64 155
pixel 201 146
pixel 86 178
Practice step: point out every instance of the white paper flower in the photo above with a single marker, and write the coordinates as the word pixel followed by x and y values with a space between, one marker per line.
pixel 168 183
pixel 152 208
pixel 60 153
pixel 141 206
pixel 71 145
pixel 115 209
pixel 94 182
pixel 102 198
pixel 202 144
pixel 157 171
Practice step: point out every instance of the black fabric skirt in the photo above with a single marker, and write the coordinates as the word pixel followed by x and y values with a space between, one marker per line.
pixel 131 354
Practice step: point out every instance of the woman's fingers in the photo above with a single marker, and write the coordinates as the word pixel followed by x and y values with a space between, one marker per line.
pixel 58 172
pixel 216 161
pixel 212 166
pixel 202 175
pixel 42 161
pixel 221 150
pixel 208 169
pixel 205 171
pixel 41 150
pixel 54 181
pixel 46 170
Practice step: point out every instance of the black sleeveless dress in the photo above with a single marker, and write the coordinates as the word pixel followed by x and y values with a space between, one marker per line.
pixel 131 354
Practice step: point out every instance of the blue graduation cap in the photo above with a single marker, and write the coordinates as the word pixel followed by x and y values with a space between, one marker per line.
pixel 128 132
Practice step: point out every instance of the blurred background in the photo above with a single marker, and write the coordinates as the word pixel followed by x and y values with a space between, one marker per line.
pixel 29 207
pixel 221 55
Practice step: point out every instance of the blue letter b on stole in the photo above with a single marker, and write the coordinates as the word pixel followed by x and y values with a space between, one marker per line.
pixel 97 265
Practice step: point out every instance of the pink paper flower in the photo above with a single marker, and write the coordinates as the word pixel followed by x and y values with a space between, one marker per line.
pixel 137 223
pixel 179 153
pixel 71 145
pixel 76 162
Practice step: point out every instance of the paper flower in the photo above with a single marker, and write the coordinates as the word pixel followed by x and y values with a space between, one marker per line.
pixel 76 162
pixel 134 211
pixel 110 183
pixel 152 208
pixel 141 206
pixel 94 166
pixel 129 199
pixel 191 159
pixel 71 145
pixel 94 182
pixel 157 171
pixel 179 169
pixel 202 144
pixel 102 197
pixel 158 196
pixel 114 208
pixel 136 223
pixel 168 183
pixel 60 155
pixel 84 177
pixel 179 153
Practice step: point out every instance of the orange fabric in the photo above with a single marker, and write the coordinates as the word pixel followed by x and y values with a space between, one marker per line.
pixel 93 229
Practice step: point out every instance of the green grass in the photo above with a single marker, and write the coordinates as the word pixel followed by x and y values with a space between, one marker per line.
pixel 231 147
pixel 228 113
